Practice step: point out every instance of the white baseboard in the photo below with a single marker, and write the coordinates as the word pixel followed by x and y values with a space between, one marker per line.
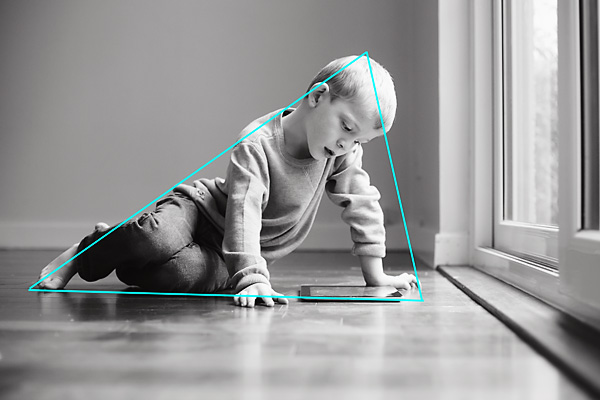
pixel 336 236
pixel 60 235
pixel 451 249
pixel 422 240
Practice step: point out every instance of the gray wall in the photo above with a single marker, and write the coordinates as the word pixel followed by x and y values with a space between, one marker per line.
pixel 106 104
pixel 423 176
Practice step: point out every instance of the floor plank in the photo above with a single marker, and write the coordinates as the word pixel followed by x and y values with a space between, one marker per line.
pixel 68 345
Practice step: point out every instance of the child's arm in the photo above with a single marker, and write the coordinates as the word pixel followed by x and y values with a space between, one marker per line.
pixel 247 182
pixel 372 269
pixel 349 187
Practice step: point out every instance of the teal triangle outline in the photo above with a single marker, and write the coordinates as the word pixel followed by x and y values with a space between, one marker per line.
pixel 366 53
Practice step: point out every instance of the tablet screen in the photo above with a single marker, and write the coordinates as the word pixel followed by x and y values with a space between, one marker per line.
pixel 348 292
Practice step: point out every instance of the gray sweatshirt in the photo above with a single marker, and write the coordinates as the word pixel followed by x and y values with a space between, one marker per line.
pixel 268 202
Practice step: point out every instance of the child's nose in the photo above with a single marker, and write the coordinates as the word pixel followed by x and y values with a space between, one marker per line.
pixel 344 146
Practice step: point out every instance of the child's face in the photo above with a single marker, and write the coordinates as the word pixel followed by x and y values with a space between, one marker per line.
pixel 336 128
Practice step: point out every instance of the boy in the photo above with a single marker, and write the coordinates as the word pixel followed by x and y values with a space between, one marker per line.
pixel 223 233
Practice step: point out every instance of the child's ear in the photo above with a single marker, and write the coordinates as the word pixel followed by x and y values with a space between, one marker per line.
pixel 319 94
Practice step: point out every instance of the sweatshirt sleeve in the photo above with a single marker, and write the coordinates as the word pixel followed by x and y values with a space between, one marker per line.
pixel 247 184
pixel 349 187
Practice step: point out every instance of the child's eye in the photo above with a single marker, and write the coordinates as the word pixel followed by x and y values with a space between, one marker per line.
pixel 346 127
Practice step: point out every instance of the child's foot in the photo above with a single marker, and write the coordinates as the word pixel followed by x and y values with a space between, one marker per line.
pixel 101 227
pixel 60 278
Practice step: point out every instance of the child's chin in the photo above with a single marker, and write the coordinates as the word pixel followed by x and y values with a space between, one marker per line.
pixel 316 157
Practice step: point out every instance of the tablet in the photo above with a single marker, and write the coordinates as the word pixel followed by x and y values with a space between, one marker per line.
pixel 347 293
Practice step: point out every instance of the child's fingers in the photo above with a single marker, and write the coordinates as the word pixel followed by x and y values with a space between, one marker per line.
pixel 412 280
pixel 280 300
pixel 248 297
pixel 410 277
pixel 268 301
pixel 400 282
pixel 238 299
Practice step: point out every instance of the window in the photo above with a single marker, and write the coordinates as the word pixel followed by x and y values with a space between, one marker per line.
pixel 535 141
pixel 591 147
pixel 527 144
pixel 578 79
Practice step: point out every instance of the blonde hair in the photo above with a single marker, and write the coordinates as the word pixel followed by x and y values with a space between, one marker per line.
pixel 354 83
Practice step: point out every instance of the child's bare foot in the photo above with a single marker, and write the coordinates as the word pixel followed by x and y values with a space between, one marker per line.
pixel 101 226
pixel 60 278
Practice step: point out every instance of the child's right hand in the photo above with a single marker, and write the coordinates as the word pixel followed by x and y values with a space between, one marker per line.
pixel 262 291
pixel 403 281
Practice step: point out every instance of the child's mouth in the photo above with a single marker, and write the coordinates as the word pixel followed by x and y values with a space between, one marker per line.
pixel 329 152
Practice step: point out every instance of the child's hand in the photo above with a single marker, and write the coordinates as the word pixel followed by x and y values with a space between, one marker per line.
pixel 372 269
pixel 259 290
pixel 403 281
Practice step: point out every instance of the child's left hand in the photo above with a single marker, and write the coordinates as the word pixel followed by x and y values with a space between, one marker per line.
pixel 372 269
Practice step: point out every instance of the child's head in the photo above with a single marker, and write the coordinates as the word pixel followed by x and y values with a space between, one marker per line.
pixel 354 84
pixel 342 113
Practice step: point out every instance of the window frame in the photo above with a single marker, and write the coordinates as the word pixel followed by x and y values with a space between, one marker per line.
pixel 530 241
pixel 531 276
pixel 579 248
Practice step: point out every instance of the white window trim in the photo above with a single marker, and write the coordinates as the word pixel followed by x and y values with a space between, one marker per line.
pixel 534 241
pixel 534 279
pixel 579 249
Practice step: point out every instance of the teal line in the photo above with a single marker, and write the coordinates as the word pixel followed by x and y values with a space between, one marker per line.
pixel 32 287
pixel 193 173
pixel 218 295
pixel 387 145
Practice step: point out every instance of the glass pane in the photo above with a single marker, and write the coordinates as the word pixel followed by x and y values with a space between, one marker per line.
pixel 531 135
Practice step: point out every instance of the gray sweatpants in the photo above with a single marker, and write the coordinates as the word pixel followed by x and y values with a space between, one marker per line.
pixel 172 249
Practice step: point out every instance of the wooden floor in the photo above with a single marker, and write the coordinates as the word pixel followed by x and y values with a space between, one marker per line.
pixel 113 346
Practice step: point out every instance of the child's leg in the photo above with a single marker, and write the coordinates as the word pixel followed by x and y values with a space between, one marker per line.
pixel 150 239
pixel 194 268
